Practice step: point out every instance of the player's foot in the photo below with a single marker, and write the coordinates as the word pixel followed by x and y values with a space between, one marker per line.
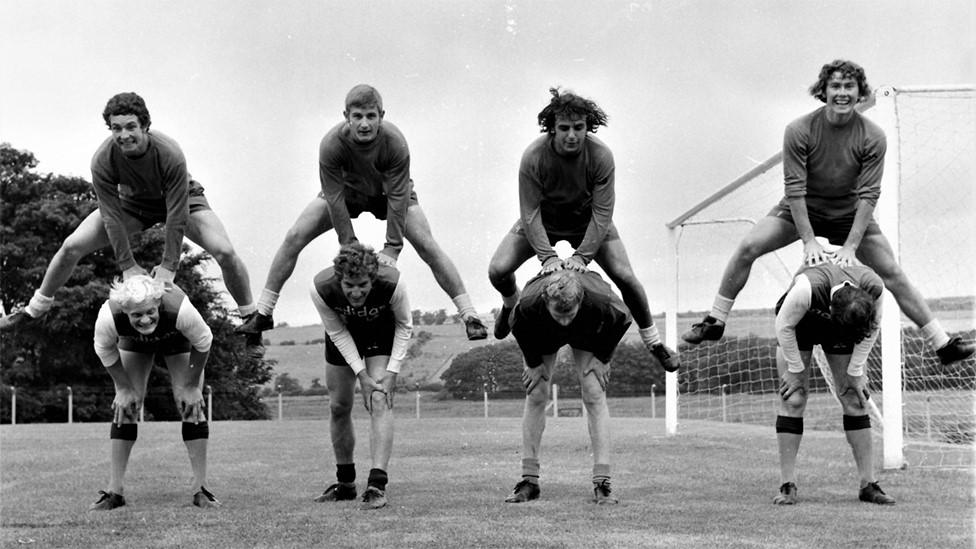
pixel 11 321
pixel 668 358
pixel 107 501
pixel 204 498
pixel 524 491
pixel 502 324
pixel 475 328
pixel 601 493
pixel 955 350
pixel 872 493
pixel 787 494
pixel 709 329
pixel 373 498
pixel 254 346
pixel 340 491
pixel 255 323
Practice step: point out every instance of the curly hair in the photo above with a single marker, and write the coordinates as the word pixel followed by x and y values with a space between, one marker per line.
pixel 848 69
pixel 356 259
pixel 137 291
pixel 127 103
pixel 570 105
pixel 563 291
pixel 364 96
pixel 852 311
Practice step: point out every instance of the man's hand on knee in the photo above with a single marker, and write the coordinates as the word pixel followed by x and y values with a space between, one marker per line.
pixel 531 377
pixel 600 370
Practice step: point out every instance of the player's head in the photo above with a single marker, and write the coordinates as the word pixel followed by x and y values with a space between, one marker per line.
pixel 852 311
pixel 127 103
pixel 568 118
pixel 364 112
pixel 127 117
pixel 356 268
pixel 563 294
pixel 840 69
pixel 139 298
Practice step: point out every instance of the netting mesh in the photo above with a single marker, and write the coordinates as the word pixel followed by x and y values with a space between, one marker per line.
pixel 735 379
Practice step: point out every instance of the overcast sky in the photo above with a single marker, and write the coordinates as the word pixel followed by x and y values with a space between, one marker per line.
pixel 697 93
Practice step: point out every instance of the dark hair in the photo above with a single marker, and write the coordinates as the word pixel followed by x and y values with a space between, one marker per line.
pixel 127 103
pixel 563 290
pixel 852 312
pixel 848 69
pixel 364 96
pixel 356 259
pixel 571 105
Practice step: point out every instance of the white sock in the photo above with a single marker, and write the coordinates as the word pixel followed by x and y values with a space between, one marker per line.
pixel 245 310
pixel 650 336
pixel 464 306
pixel 267 302
pixel 721 308
pixel 39 304
pixel 934 335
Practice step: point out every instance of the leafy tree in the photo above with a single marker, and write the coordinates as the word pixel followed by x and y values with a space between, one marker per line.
pixel 43 358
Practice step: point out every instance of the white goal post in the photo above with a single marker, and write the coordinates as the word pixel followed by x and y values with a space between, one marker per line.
pixel 925 211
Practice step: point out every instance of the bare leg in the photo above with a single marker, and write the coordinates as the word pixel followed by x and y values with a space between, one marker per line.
pixel 137 366
pixel 768 235
pixel 312 222
pixel 341 383
pixel 89 236
pixel 381 417
pixel 512 252
pixel 206 229
pixel 418 233
pixel 612 256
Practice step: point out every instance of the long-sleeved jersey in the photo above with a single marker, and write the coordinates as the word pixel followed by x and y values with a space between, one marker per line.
pixel 598 327
pixel 833 167
pixel 378 168
pixel 385 313
pixel 180 327
pixel 803 313
pixel 152 187
pixel 563 196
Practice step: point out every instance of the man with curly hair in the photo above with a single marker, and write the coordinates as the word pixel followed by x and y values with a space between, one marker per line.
pixel 838 308
pixel 566 192
pixel 578 309
pixel 833 159
pixel 141 319
pixel 364 307
pixel 140 179
pixel 364 166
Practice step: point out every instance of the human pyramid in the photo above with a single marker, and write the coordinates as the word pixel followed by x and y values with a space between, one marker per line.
pixel 832 159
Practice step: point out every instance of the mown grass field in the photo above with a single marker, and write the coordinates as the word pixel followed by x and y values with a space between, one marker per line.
pixel 711 486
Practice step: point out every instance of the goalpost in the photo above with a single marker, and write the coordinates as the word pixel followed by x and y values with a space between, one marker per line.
pixel 926 212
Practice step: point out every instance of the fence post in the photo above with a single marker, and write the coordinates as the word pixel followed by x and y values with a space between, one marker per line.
pixel 142 410
pixel 279 402
pixel 13 405
pixel 418 403
pixel 210 404
pixel 653 404
pixel 555 400
pixel 724 416
pixel 485 388
pixel 70 406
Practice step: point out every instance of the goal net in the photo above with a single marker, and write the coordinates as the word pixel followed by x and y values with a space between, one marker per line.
pixel 925 210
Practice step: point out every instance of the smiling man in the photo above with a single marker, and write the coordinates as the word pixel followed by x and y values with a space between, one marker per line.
pixel 364 308
pixel 566 192
pixel 833 159
pixel 140 179
pixel 364 166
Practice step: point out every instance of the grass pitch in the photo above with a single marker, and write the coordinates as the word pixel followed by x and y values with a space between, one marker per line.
pixel 710 486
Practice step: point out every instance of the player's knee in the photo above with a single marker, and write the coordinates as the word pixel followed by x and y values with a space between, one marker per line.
pixel 378 400
pixel 749 250
pixel 73 249
pixel 795 403
pixel 127 431
pixel 539 395
pixel 224 255
pixel 851 405
pixel 339 408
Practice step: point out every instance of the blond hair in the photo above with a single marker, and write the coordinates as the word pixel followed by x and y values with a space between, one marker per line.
pixel 136 291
